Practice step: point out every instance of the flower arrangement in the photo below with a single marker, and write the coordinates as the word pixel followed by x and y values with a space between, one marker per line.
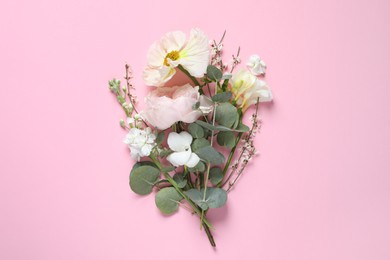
pixel 186 139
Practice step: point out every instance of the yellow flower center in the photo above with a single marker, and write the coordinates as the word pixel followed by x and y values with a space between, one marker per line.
pixel 173 55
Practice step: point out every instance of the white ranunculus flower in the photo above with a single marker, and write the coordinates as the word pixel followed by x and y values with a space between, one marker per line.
pixel 256 65
pixel 246 88
pixel 173 50
pixel 140 142
pixel 180 144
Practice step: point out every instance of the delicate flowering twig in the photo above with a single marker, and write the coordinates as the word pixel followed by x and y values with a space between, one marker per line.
pixel 216 48
pixel 247 151
pixel 236 60
pixel 132 98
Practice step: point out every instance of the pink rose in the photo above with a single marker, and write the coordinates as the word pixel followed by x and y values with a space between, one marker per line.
pixel 168 105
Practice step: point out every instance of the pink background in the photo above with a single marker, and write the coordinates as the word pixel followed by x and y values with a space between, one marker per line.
pixel 319 190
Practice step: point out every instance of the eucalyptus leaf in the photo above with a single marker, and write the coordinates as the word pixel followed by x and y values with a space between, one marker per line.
pixel 222 97
pixel 167 200
pixel 214 73
pixel 142 179
pixel 180 180
pixel 197 197
pixel 199 143
pixel 242 128
pixel 160 137
pixel 209 154
pixel 226 139
pixel 196 130
pixel 215 197
pixel 226 114
pixel 216 175
pixel 200 167
pixel 168 169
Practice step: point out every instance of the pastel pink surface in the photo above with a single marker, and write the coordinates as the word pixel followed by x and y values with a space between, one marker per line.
pixel 319 190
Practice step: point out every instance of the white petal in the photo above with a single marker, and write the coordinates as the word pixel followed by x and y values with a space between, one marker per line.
pixel 179 142
pixel 193 161
pixel 195 55
pixel 179 158
pixel 173 41
pixel 158 76
pixel 156 55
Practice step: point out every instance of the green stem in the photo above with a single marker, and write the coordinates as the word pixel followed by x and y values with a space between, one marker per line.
pixel 180 191
pixel 231 154
pixel 196 82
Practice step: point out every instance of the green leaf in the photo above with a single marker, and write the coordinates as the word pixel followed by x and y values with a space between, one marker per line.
pixel 226 139
pixel 168 169
pixel 215 197
pixel 212 127
pixel 142 178
pixel 200 167
pixel 180 180
pixel 196 130
pixel 226 114
pixel 209 154
pixel 222 97
pixel 214 73
pixel 160 137
pixel 167 200
pixel 199 143
pixel 197 197
pixel 216 175
pixel 242 128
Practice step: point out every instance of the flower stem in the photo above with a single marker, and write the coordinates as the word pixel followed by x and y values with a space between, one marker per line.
pixel 196 82
pixel 180 191
pixel 231 154
pixel 209 235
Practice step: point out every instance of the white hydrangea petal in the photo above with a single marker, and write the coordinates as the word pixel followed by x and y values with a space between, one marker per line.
pixel 179 158
pixel 193 161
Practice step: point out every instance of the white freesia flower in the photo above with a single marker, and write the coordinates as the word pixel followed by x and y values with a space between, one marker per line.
pixel 256 65
pixel 140 142
pixel 173 50
pixel 246 88
pixel 180 144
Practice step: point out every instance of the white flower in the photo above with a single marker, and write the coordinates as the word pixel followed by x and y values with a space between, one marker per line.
pixel 173 50
pixel 180 144
pixel 206 105
pixel 140 142
pixel 256 65
pixel 246 88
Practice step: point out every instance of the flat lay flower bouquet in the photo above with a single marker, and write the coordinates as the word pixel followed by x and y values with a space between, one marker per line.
pixel 190 143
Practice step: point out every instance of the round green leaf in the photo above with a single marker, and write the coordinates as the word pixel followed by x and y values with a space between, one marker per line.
pixel 216 175
pixel 180 180
pixel 215 197
pixel 209 154
pixel 199 143
pixel 226 114
pixel 167 200
pixel 226 139
pixel 142 179
pixel 196 130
